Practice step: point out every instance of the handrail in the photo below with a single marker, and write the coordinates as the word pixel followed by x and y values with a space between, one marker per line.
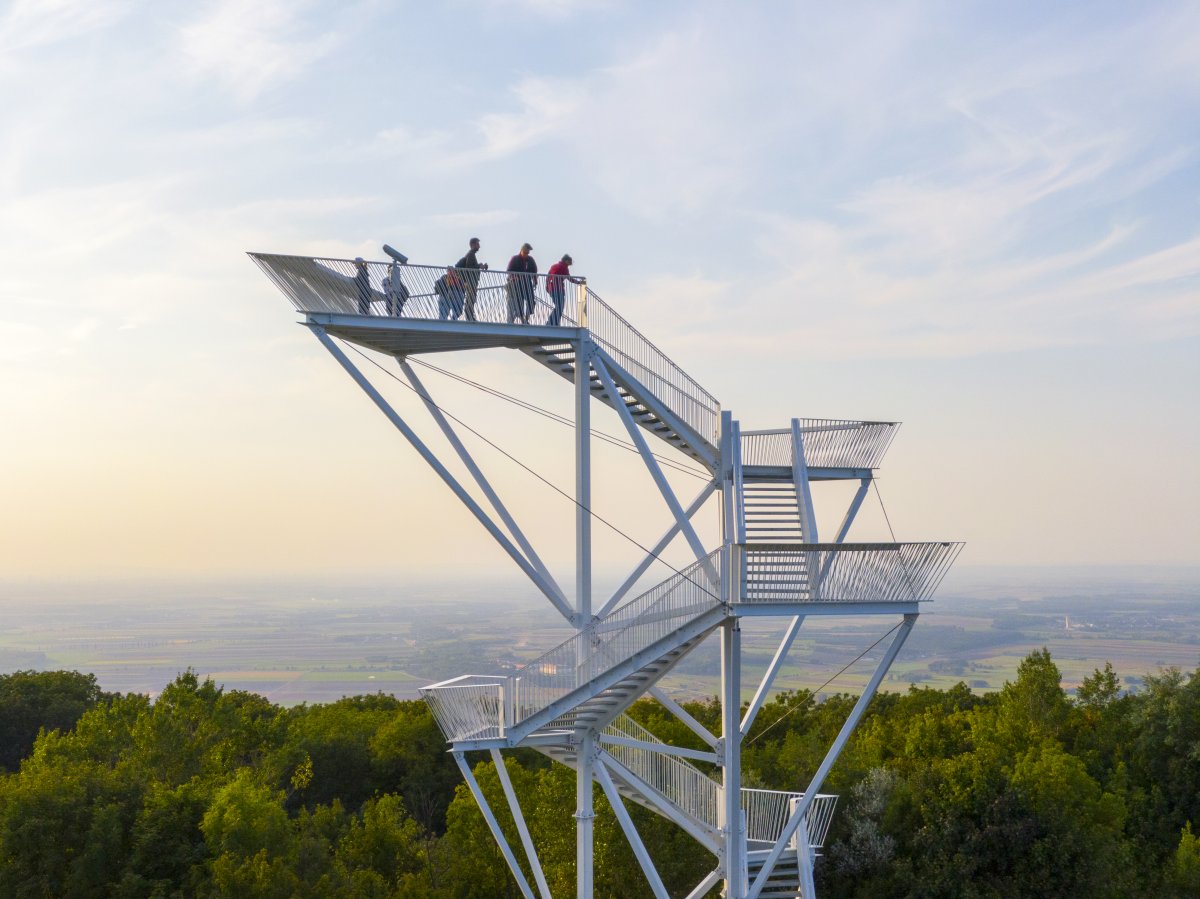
pixel 654 369
pixel 390 290
pixel 828 443
pixel 382 289
pixel 843 572
pixel 496 703
pixel 699 796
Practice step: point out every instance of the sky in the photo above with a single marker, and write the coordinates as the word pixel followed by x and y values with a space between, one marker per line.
pixel 982 220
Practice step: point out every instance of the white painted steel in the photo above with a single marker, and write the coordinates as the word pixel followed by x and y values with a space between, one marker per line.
pixel 469 708
pixel 767 812
pixel 851 572
pixel 828 443
pixel 631 834
pixel 731 765
pixel 664 487
pixel 700 796
pixel 465 498
pixel 585 817
pixel 493 826
pixel 484 485
pixel 768 678
pixel 702 888
pixel 583 483
pixel 319 285
pixel 808 518
pixel 519 819
pixel 800 811
pixel 683 715
pixel 656 550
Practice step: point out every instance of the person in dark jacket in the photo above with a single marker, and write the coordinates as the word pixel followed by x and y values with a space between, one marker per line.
pixel 469 274
pixel 450 295
pixel 522 282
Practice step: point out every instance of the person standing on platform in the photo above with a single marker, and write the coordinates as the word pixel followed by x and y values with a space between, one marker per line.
pixel 449 290
pixel 362 284
pixel 522 281
pixel 556 286
pixel 470 276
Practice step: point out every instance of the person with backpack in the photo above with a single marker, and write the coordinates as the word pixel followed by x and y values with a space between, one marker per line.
pixel 469 268
pixel 449 290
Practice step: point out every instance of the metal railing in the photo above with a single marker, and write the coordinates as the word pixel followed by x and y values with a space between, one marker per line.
pixel 475 707
pixel 687 787
pixel 654 370
pixel 696 794
pixel 382 289
pixel 470 707
pixel 843 572
pixel 828 443
pixel 767 811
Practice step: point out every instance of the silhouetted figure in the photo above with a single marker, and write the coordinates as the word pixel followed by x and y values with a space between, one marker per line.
pixel 362 284
pixel 469 273
pixel 522 282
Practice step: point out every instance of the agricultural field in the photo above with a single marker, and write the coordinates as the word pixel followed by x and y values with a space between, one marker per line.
pixel 297 643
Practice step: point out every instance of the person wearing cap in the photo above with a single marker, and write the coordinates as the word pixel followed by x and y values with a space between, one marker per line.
pixel 470 276
pixel 522 282
pixel 556 286
pixel 362 284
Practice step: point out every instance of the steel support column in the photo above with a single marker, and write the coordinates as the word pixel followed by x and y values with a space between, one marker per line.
pixel 465 498
pixel 493 826
pixel 469 463
pixel 631 834
pixel 519 819
pixel 585 817
pixel 731 748
pixel 583 482
pixel 656 472
pixel 832 755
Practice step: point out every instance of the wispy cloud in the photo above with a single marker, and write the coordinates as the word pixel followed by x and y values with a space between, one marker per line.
pixel 473 219
pixel 250 46
pixel 36 23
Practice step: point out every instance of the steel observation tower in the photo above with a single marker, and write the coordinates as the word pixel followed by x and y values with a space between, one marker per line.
pixel 570 702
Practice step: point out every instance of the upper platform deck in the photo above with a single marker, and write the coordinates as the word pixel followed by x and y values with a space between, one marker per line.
pixel 410 309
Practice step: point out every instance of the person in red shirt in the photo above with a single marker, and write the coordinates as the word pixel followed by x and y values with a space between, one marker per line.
pixel 556 286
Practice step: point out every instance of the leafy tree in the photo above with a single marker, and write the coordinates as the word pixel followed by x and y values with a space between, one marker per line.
pixel 1183 878
pixel 35 700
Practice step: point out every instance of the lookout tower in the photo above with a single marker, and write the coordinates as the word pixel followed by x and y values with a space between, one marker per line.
pixel 570 703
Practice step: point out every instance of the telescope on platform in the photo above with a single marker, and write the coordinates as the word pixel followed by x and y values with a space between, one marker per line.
pixel 395 254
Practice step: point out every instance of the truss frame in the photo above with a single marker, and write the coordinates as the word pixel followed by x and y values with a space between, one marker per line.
pixel 594 764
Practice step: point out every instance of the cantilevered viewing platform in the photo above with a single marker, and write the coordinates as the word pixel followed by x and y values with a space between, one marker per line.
pixel 570 701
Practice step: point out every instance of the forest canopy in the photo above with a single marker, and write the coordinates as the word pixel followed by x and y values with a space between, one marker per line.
pixel 220 793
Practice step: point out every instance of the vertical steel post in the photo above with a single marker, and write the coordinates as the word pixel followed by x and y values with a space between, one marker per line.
pixel 731 735
pixel 584 816
pixel 583 482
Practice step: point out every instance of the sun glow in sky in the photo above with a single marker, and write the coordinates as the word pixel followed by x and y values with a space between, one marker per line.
pixel 982 221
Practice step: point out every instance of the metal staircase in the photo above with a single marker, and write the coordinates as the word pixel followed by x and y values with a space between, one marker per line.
pixel 770 511
pixel 659 420
pixel 591 677
pixel 650 777
pixel 569 703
